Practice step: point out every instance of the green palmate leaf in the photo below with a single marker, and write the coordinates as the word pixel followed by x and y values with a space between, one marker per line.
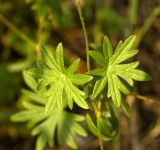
pixel 115 71
pixel 59 124
pixel 59 81
pixel 45 125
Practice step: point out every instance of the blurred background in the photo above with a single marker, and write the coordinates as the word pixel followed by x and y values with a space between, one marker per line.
pixel 25 24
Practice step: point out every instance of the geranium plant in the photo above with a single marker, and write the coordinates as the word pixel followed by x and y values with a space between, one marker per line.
pixel 55 90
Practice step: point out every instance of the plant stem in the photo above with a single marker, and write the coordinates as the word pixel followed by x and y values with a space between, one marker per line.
pixel 39 39
pixel 17 31
pixel 147 24
pixel 100 143
pixel 133 9
pixel 99 137
pixel 147 99
pixel 85 33
pixel 88 59
pixel 98 115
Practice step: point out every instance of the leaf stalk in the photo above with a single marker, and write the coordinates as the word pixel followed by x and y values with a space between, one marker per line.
pixel 85 33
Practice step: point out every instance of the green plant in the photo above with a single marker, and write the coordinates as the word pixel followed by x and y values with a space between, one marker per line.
pixel 55 89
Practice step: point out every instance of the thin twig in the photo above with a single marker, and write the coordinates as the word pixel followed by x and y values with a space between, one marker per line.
pixel 85 33
pixel 146 99
pixel 100 143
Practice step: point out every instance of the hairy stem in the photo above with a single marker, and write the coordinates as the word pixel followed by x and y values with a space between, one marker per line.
pixel 85 33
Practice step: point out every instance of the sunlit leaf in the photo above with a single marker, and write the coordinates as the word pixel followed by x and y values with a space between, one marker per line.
pixel 59 81
pixel 117 70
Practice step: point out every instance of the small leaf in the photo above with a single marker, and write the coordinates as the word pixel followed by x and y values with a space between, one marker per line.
pixel 59 56
pixel 97 72
pixel 140 75
pixel 126 56
pixel 29 80
pixel 118 46
pixel 124 75
pixel 49 59
pixel 122 48
pixel 126 108
pixel 98 57
pixel 122 86
pixel 99 86
pixel 80 79
pixel 107 48
pixel 59 95
pixel 35 97
pixel 41 142
pixel 73 67
pixel 51 101
pixel 77 95
pixel 105 128
pixel 115 93
pixel 69 95
pixel 79 130
pixel 91 125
